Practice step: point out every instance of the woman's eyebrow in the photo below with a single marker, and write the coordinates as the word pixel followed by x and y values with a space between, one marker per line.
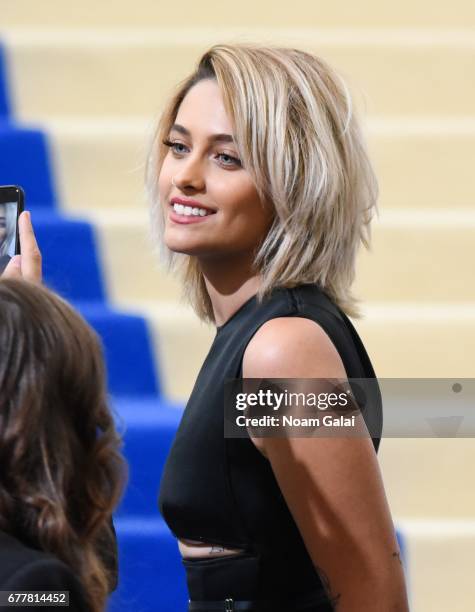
pixel 213 138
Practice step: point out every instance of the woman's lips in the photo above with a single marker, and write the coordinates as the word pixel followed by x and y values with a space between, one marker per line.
pixel 191 203
pixel 187 219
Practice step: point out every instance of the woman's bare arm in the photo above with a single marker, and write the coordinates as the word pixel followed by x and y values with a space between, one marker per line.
pixel 332 485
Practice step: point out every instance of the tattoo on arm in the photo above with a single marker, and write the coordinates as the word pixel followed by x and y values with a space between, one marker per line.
pixel 334 599
pixel 215 549
pixel 397 556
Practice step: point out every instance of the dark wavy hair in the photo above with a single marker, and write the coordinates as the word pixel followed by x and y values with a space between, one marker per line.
pixel 62 472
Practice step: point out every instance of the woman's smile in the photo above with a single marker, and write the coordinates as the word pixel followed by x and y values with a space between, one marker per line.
pixel 186 215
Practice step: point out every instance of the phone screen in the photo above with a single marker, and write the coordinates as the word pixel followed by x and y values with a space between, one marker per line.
pixel 11 205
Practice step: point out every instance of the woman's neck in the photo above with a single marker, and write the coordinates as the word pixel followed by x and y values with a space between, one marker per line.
pixel 229 285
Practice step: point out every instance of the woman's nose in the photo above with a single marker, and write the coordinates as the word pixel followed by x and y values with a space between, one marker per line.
pixel 191 175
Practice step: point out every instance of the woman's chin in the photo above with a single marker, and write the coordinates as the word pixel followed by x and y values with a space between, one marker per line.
pixel 184 247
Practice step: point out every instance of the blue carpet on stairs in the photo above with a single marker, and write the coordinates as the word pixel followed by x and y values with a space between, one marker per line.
pixel 149 427
pixel 128 350
pixel 72 268
pixel 24 161
pixel 152 578
pixel 70 256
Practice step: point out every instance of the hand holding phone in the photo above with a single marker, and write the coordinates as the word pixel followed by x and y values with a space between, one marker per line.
pixel 20 256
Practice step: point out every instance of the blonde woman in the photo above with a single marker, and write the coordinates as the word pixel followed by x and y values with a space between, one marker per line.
pixel 262 193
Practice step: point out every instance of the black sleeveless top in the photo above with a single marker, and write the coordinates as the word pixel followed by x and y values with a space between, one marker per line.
pixel 222 490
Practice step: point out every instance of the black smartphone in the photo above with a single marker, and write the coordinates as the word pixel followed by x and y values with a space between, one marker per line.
pixel 12 202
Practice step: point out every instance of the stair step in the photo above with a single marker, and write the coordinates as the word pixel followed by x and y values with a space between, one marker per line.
pixel 418 340
pixel 428 477
pixel 426 67
pixel 174 328
pixel 209 14
pixel 151 575
pixel 418 256
pixel 69 252
pixel 148 428
pixel 24 161
pixel 440 562
pixel 131 365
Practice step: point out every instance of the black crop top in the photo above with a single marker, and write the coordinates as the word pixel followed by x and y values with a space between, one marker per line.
pixel 222 490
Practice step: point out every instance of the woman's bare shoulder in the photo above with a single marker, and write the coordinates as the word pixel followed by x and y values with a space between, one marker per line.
pixel 291 347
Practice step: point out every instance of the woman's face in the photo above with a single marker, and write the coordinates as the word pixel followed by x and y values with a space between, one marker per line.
pixel 3 223
pixel 202 168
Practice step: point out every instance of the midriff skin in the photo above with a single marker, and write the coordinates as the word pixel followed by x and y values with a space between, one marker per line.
pixel 191 549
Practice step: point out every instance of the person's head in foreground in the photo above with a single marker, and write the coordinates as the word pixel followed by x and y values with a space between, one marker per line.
pixel 288 186
pixel 62 472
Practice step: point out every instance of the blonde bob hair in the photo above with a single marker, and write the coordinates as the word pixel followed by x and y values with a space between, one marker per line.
pixel 299 138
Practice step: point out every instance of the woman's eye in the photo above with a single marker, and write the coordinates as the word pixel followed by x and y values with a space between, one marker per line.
pixel 177 144
pixel 173 145
pixel 228 160
pixel 234 160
